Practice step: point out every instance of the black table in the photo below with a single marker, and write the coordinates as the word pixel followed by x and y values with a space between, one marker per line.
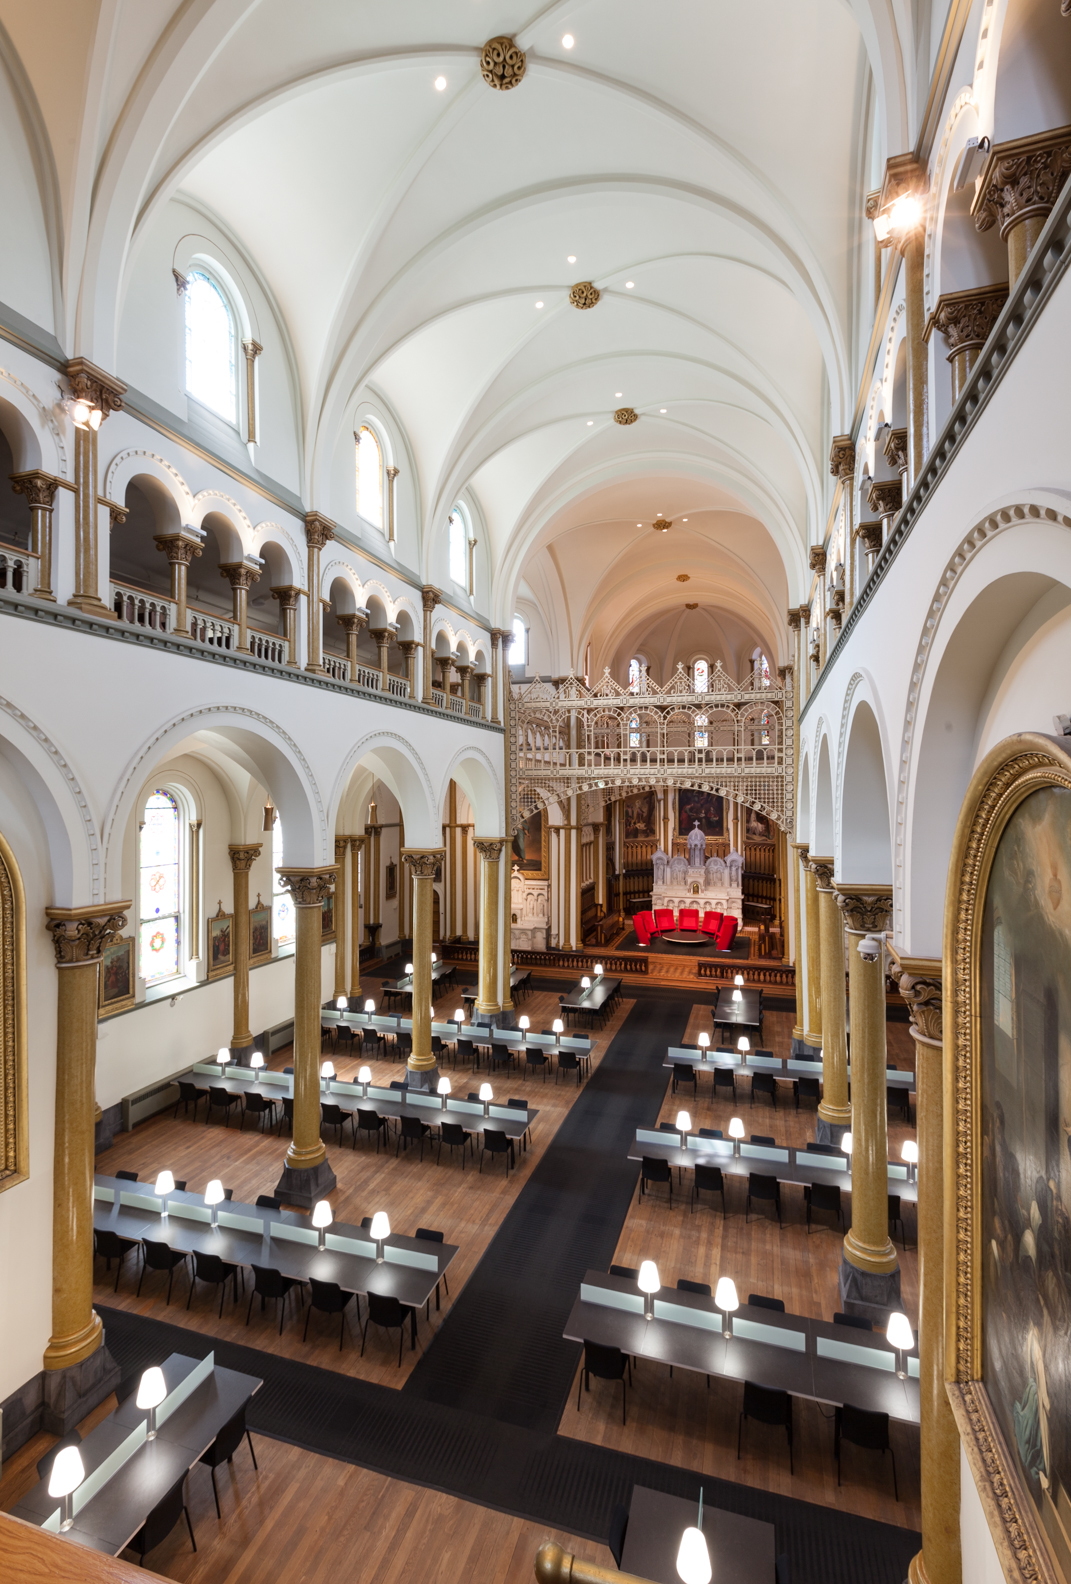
pixel 741 1549
pixel 801 1166
pixel 686 937
pixel 112 1517
pixel 787 1067
pixel 442 974
pixel 592 1002
pixel 743 1014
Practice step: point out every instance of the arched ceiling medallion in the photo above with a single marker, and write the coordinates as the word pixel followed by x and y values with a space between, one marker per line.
pixel 502 63
pixel 684 577
pixel 584 295
pixel 626 415
pixel 692 607
pixel 660 524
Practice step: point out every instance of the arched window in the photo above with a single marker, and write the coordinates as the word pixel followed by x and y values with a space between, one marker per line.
pixel 369 476
pixel 160 889
pixel 211 347
pixel 634 731
pixel 760 668
pixel 764 735
pixel 282 903
pixel 518 649
pixel 701 676
pixel 458 547
pixel 635 674
pixel 700 724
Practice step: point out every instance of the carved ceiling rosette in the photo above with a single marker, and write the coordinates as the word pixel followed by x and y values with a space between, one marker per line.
pixel 625 415
pixel 584 295
pixel 502 64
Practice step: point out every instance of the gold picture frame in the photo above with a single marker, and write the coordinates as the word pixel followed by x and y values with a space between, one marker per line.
pixel 1021 765
pixel 115 981
pixel 260 942
pixel 327 917
pixel 220 944
pixel 531 838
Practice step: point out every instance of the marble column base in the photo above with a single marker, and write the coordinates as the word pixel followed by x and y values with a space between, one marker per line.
pixel 800 1047
pixel 830 1132
pixel 505 1018
pixel 424 1080
pixel 302 1186
pixel 873 1294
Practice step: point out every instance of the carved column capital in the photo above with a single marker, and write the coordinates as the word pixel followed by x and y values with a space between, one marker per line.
pixel 309 887
pixel 1022 178
pixel 288 595
pixel 39 488
pixel 90 384
pixel 895 449
pixel 351 622
pixel 489 847
pixel 842 457
pixel 822 869
pixel 925 1004
pixel 805 615
pixel 422 863
pixel 392 473
pixel 243 856
pixel 252 350
pixel 871 535
pixel 79 935
pixel 408 646
pixel 239 574
pixel 341 843
pixel 793 618
pixel 430 597
pixel 319 530
pixel 357 842
pixel 865 912
pixel 817 559
pixel 178 549
pixel 885 498
pixel 966 318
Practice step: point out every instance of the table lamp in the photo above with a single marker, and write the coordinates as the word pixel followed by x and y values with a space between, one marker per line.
pixel 598 970
pixel 365 1077
pixel 256 1061
pixel 738 979
pixel 342 1004
pixel 684 1127
pixel 559 1027
pixel 738 995
pixel 736 1133
pixel 67 1474
pixel 900 1336
pixel 409 968
pixel 369 1006
pixel 910 1155
pixel 743 1045
pixel 727 1301
pixel 164 1185
pixel 585 983
pixel 434 958
pixel 693 1558
pixel 152 1389
pixel 327 1072
pixel 223 1055
pixel 704 1042
pixel 459 1016
pixel 214 1196
pixel 380 1229
pixel 444 1089
pixel 523 1025
pixel 486 1096
pixel 846 1144
pixel 649 1283
pixel 322 1218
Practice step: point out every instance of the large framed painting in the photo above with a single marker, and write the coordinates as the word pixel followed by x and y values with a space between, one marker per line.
pixel 116 988
pixel 529 852
pixel 327 917
pixel 390 889
pixel 259 932
pixel 757 827
pixel 220 944
pixel 640 816
pixel 1008 1012
pixel 706 807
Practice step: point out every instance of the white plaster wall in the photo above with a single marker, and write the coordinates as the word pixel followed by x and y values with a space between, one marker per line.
pixel 25 270
pixel 980 1562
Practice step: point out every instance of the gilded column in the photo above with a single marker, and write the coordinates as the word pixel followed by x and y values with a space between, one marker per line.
pixel 40 492
pixel 895 453
pixel 869 1273
pixel 422 865
pixel 813 1020
pixel 965 319
pixel 464 672
pixel 799 855
pixel 496 640
pixel 871 535
pixel 180 549
pixel 356 847
pixel 288 595
pixel 195 890
pixel 901 217
pixel 79 936
pixel 242 857
pixel 341 847
pixel 371 877
pixel 1018 185
pixel 252 350
pixel 409 647
pixel 939 1561
pixel 351 625
pixel 241 576
pixel 97 395
pixel 430 597
pixel 318 532
pixel 834 1112
pixel 382 636
pixel 842 467
pixel 307 1175
pixel 490 851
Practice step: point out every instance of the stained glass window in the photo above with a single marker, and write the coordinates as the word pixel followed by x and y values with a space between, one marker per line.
pixel 700 727
pixel 765 734
pixel 635 676
pixel 701 676
pixel 458 548
pixel 211 347
pixel 369 477
pixel 282 909
pixel 634 732
pixel 159 899
pixel 761 668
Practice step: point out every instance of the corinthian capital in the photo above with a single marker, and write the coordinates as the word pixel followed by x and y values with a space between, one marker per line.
pixel 886 497
pixel 822 869
pixel 309 887
pixel 79 935
pixel 239 574
pixel 91 384
pixel 39 488
pixel 489 848
pixel 244 855
pixel 871 534
pixel 430 597
pixel 842 457
pixel 923 997
pixel 319 530
pixel 865 912
pixel 818 559
pixel 895 449
pixel 422 865
pixel 965 318
pixel 1022 178
pixel 178 549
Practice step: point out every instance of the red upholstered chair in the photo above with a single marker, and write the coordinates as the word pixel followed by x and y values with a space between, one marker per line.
pixel 663 921
pixel 643 924
pixel 711 923
pixel 727 933
pixel 689 919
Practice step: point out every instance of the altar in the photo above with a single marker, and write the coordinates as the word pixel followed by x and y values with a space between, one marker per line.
pixel 529 912
pixel 713 885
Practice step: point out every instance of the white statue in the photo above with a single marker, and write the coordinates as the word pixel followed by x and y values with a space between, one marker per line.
pixel 736 869
pixel 716 879
pixel 660 862
pixel 697 847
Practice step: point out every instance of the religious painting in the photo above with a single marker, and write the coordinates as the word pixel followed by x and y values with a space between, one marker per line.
pixel 220 944
pixel 706 807
pixel 116 989
pixel 259 932
pixel 327 917
pixel 391 890
pixel 757 826
pixel 529 855
pixel 640 816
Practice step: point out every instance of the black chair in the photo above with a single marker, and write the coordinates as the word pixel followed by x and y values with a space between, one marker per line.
pixel 453 1135
pixel 702 1288
pixel 497 1143
pixel 260 1106
pixel 188 1095
pixel 782 1569
pixel 763 1083
pixel 536 1061
pixel 289 1070
pixel 765 1189
pixel 605 1363
pixel 268 1202
pixel 710 1133
pixel 160 1522
pixel 44 1467
pixel 569 1061
pixel 225 1446
pixel 813 1148
pixel 270 1283
pixel 685 1073
pixel 760 1301
pixel 724 1078
pixel 762 1138
pixel 895 1215
pixel 389 1313
pixel 287 1115
pixel 369 1122
pixel 221 1100
pixel 668 1127
pixel 806 1089
pixel 626 1272
pixel 329 1298
pixel 708 1179
pixel 897 1099
pixel 655 1171
pixel 859 1322
pixel 161 1257
pixel 499 1056
pixel 398 1083
pixel 110 1246
pixel 125 1176
pixel 863 1429
pixel 768 1406
pixel 412 1131
pixel 431 1236
pixel 766 1054
pixel 521 1105
pixel 824 1197
pixel 228 1193
pixel 333 1116
pixel 618 1529
pixel 217 1273
pixel 180 1184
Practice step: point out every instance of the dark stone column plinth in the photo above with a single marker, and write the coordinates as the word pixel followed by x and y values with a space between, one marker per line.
pixel 424 1080
pixel 873 1294
pixel 67 1395
pixel 302 1187
pixel 830 1132
pixel 801 1048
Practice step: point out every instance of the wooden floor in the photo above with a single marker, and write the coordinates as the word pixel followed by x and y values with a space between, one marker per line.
pixel 678 1420
pixel 468 1206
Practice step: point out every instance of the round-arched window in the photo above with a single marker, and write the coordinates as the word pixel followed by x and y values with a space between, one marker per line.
pixel 369 476
pixel 160 889
pixel 211 347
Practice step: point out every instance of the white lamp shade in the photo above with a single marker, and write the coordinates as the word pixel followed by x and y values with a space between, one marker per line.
pixel 704 1041
pixel 165 1183
pixel 899 1333
pixel 585 983
pixel 223 1055
pixel 444 1086
pixel 738 995
pixel 327 1070
pixel 256 1060
pixel 214 1192
pixel 598 969
pixel 736 1128
pixel 152 1388
pixel 846 1143
pixel 522 1021
pixel 558 1026
pixel 365 1075
pixel 380 1227
pixel 649 1280
pixel 370 1005
pixel 743 1043
pixel 910 1152
pixel 684 1122
pixel 738 979
pixel 459 1014
pixel 486 1092
pixel 322 1215
pixel 408 968
pixel 67 1472
pixel 342 1003
pixel 725 1295
pixel 693 1558
pixel 434 958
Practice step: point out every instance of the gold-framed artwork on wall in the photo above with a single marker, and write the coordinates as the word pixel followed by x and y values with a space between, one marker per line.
pixel 220 944
pixel 259 932
pixel 115 985
pixel 327 917
pixel 1007 1076
pixel 528 855
pixel 390 890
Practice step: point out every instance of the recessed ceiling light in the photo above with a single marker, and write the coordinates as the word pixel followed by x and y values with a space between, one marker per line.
pixel 629 285
pixel 568 41
pixel 684 519
pixel 590 422
pixel 618 394
pixel 661 409
pixel 440 83
pixel 571 259
pixel 539 305
pixel 639 525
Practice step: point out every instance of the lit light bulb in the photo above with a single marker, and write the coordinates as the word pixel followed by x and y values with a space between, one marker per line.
pixel 738 995
pixel 846 1144
pixel 365 1075
pixel 379 1230
pixel 256 1061
pixel 900 1336
pixel 67 1474
pixel 214 1197
pixel 523 1022
pixel 370 1006
pixel 459 1014
pixel 444 1090
pixel 571 259
pixel 693 1558
pixel 440 83
pixel 80 414
pixel 704 1041
pixel 164 1185
pixel 684 1122
pixel 738 980
pixel 342 1004
pixel 598 970
pixel 327 1070
pixel 585 983
pixel 910 1152
pixel 486 1095
pixel 95 417
pixel 152 1389
pixel 434 958
pixel 223 1056
pixel 567 43
pixel 649 1282
pixel 743 1044
pixel 558 1026
pixel 408 968
pixel 905 212
pixel 881 228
